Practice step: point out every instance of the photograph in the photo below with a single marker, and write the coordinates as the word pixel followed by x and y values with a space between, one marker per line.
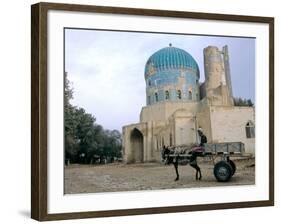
pixel 150 111
pixel 144 111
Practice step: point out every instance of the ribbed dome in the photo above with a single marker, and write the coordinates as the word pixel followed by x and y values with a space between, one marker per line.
pixel 170 58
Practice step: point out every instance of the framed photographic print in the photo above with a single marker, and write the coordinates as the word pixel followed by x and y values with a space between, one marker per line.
pixel 141 111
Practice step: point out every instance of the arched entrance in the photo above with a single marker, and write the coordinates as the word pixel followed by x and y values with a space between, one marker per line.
pixel 137 145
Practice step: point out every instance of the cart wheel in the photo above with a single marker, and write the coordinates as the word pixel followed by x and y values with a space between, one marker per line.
pixel 233 166
pixel 223 171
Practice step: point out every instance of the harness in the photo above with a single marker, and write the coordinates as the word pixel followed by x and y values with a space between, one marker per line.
pixel 183 154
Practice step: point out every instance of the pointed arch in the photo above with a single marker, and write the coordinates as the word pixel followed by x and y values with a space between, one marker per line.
pixel 156 97
pixel 190 95
pixel 179 94
pixel 136 140
pixel 250 129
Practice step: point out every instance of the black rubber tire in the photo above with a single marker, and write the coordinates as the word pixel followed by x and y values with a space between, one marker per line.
pixel 233 166
pixel 223 171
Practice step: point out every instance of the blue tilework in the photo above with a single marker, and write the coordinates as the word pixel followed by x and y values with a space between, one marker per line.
pixel 171 69
pixel 170 57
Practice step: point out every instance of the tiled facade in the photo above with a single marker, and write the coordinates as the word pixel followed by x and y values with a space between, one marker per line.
pixel 171 74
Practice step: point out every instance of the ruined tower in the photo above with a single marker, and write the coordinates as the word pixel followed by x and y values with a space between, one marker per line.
pixel 227 69
pixel 217 76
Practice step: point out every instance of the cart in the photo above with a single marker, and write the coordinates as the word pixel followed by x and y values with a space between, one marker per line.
pixel 219 153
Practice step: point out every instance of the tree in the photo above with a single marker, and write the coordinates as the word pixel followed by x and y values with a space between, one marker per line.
pixel 78 127
pixel 250 103
pixel 70 123
pixel 242 102
pixel 85 133
pixel 113 144
pixel 84 139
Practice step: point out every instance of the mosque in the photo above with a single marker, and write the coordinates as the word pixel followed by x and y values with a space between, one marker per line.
pixel 177 105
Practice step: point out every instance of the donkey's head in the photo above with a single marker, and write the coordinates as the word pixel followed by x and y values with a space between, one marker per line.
pixel 165 154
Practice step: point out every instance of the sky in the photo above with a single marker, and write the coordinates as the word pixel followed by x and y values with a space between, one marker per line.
pixel 106 69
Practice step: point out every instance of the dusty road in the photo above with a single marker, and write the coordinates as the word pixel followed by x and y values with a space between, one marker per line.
pixel 147 176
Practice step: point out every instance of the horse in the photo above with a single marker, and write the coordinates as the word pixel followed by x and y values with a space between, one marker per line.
pixel 171 155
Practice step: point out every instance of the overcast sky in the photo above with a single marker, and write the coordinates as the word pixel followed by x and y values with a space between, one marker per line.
pixel 106 69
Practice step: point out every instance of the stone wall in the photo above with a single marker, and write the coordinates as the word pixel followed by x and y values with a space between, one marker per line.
pixel 219 124
pixel 228 124
pixel 162 111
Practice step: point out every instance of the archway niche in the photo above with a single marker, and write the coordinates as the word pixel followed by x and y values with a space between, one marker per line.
pixel 137 145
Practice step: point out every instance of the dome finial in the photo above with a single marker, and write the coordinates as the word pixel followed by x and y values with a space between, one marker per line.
pixel 170 44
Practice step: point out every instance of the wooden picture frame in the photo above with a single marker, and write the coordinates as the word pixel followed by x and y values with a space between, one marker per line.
pixel 39 110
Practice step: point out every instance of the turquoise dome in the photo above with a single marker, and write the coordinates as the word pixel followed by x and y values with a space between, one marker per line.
pixel 170 58
pixel 171 75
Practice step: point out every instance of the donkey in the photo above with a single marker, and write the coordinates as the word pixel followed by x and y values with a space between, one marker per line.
pixel 175 159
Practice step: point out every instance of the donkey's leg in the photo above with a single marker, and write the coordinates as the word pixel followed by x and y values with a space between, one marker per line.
pixel 193 163
pixel 176 168
pixel 195 167
pixel 198 171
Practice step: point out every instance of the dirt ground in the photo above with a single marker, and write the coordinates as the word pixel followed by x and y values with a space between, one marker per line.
pixel 148 176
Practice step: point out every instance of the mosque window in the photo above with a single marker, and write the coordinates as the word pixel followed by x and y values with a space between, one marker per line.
pixel 171 139
pixel 167 95
pixel 148 100
pixel 156 97
pixel 250 129
pixel 190 95
pixel 149 82
pixel 179 94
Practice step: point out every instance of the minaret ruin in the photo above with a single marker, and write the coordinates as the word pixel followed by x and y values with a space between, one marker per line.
pixel 217 76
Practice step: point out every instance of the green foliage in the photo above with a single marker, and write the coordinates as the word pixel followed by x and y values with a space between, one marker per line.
pixel 243 102
pixel 86 141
